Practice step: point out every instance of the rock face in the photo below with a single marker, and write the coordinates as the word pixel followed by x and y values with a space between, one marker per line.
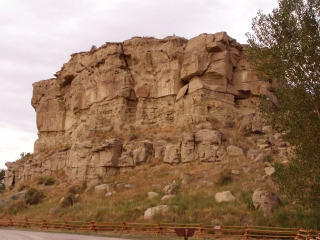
pixel 141 100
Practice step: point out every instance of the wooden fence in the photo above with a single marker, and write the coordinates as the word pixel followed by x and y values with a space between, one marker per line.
pixel 201 230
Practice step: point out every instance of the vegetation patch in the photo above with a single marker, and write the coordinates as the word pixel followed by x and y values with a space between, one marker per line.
pixel 34 196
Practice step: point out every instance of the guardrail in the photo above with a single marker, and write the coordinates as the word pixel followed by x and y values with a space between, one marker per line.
pixel 201 230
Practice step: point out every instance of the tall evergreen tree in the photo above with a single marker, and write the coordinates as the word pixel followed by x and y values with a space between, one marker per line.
pixel 285 45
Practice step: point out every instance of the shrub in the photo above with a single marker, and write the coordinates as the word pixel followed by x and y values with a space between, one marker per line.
pixel 224 178
pixel 34 196
pixel 77 189
pixel 46 181
pixel 247 199
pixel 15 207
pixel 22 187
pixel 69 200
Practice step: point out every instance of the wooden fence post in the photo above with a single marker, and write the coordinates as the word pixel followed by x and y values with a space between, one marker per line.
pixel 44 224
pixel 200 228
pixel 26 224
pixel 10 222
pixel 93 226
pixel 65 225
pixel 124 227
pixel 159 229
pixel 246 231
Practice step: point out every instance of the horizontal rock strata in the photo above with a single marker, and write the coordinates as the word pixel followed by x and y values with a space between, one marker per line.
pixel 140 101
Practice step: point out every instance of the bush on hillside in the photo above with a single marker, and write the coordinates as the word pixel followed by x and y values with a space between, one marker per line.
pixel 224 178
pixel 47 181
pixel 14 207
pixel 34 196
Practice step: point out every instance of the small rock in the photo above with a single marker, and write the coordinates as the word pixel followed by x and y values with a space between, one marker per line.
pixel 77 195
pixel 109 194
pixel 169 189
pixel 235 172
pixel 128 186
pixel 152 195
pixel 269 171
pixel 267 164
pixel 102 188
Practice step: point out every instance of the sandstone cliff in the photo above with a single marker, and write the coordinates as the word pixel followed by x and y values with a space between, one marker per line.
pixel 141 101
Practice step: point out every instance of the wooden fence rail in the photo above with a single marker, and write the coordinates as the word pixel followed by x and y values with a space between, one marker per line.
pixel 201 230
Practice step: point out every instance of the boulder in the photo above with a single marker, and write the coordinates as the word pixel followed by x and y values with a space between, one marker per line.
pixel 102 188
pixel 224 197
pixel 150 212
pixel 265 201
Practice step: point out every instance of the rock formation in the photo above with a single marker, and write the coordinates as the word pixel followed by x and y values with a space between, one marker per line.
pixel 141 101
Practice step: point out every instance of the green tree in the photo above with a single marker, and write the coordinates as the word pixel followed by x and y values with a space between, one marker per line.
pixel 285 45
pixel 2 174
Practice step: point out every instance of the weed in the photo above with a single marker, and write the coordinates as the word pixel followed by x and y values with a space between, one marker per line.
pixel 247 199
pixel 69 200
pixel 15 207
pixel 225 178
pixel 22 187
pixel 77 189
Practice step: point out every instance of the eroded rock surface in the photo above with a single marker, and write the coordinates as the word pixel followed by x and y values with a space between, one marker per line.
pixel 140 101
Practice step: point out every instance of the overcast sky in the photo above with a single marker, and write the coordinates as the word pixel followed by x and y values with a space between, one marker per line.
pixel 38 36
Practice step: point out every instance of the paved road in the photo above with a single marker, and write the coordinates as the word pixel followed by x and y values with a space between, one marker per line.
pixel 28 235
